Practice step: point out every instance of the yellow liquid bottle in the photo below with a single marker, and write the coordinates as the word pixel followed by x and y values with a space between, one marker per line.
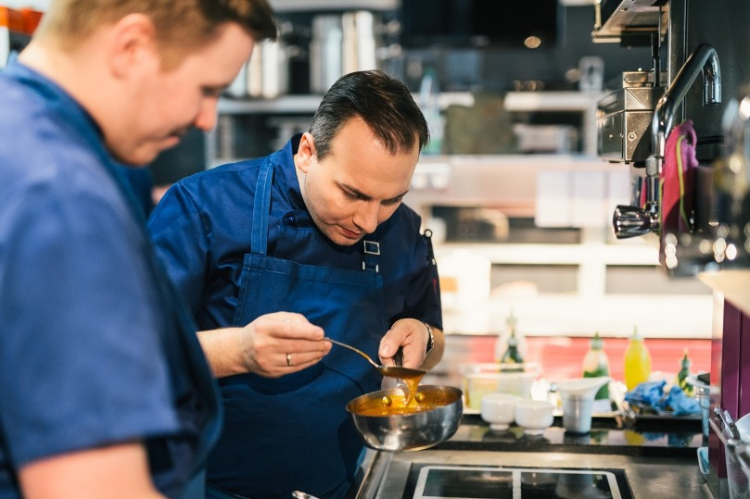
pixel 637 362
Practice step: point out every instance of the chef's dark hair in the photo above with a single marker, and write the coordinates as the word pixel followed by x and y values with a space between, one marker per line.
pixel 383 102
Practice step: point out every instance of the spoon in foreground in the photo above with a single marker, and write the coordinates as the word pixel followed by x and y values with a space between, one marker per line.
pixel 389 371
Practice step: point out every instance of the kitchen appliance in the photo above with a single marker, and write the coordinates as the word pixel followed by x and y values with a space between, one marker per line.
pixel 624 117
pixel 478 482
pixel 639 219
pixel 477 475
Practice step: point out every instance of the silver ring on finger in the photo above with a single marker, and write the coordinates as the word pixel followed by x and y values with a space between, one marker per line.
pixel 289 360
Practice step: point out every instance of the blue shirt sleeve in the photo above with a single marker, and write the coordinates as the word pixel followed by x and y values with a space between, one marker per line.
pixel 181 243
pixel 82 364
pixel 422 293
pixel 424 288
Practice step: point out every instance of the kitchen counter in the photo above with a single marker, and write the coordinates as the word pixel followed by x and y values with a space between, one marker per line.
pixel 652 437
pixel 655 459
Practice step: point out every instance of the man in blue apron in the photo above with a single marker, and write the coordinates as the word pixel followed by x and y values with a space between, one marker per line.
pixel 105 390
pixel 316 231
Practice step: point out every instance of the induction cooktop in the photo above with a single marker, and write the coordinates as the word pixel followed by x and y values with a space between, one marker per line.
pixel 500 482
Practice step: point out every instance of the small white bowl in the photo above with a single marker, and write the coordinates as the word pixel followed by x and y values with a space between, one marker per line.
pixel 534 415
pixel 499 410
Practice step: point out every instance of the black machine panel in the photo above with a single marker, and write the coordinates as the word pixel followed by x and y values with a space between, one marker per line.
pixel 701 25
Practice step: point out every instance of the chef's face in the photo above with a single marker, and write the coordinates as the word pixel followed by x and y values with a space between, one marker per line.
pixel 165 102
pixel 356 186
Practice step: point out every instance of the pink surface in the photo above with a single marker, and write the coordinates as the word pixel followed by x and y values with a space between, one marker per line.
pixel 562 357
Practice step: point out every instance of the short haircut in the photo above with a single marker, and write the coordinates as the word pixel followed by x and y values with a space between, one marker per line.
pixel 181 25
pixel 383 102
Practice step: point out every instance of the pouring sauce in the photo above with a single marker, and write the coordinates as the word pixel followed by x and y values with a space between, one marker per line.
pixel 412 384
pixel 398 405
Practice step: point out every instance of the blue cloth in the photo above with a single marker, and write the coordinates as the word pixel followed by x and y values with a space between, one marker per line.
pixel 678 403
pixel 293 432
pixel 95 347
pixel 651 395
pixel 648 393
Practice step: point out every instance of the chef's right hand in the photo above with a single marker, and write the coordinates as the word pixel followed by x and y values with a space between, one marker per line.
pixel 281 343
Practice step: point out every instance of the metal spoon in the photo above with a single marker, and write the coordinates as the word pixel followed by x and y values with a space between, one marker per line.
pixel 390 371
pixel 302 495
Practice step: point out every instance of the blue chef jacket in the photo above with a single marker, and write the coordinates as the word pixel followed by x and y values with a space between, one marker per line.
pixel 96 345
pixel 239 242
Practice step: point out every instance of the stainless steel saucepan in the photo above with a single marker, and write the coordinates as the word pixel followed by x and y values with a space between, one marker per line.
pixel 386 426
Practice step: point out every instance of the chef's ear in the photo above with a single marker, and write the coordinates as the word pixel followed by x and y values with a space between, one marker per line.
pixel 131 44
pixel 305 152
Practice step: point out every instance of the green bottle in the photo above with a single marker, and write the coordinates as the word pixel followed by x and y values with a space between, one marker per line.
pixel 596 363
pixel 512 355
pixel 683 374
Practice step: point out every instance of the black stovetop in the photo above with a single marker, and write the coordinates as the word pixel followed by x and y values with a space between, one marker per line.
pixel 427 481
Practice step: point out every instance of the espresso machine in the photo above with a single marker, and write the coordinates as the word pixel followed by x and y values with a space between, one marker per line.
pixel 700 72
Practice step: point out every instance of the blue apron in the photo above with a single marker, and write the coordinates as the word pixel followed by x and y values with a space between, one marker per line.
pixel 293 433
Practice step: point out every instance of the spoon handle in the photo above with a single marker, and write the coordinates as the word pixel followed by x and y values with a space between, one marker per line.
pixel 363 354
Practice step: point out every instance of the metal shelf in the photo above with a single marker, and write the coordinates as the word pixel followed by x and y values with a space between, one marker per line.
pixel 287 104
pixel 307 104
pixel 312 5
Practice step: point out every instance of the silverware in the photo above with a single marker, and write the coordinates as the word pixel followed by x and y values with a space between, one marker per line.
pixel 729 426
pixel 390 371
pixel 625 417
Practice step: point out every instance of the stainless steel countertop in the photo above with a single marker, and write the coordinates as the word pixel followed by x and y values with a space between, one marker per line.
pixel 649 478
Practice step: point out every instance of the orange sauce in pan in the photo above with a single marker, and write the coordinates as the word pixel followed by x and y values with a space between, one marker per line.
pixel 400 405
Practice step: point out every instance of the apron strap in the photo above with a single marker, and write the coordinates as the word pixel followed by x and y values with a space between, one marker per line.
pixel 427 234
pixel 261 208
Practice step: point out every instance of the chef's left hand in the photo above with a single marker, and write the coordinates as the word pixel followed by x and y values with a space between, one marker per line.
pixel 411 336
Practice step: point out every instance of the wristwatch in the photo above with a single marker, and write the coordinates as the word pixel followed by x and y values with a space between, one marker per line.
pixel 431 339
